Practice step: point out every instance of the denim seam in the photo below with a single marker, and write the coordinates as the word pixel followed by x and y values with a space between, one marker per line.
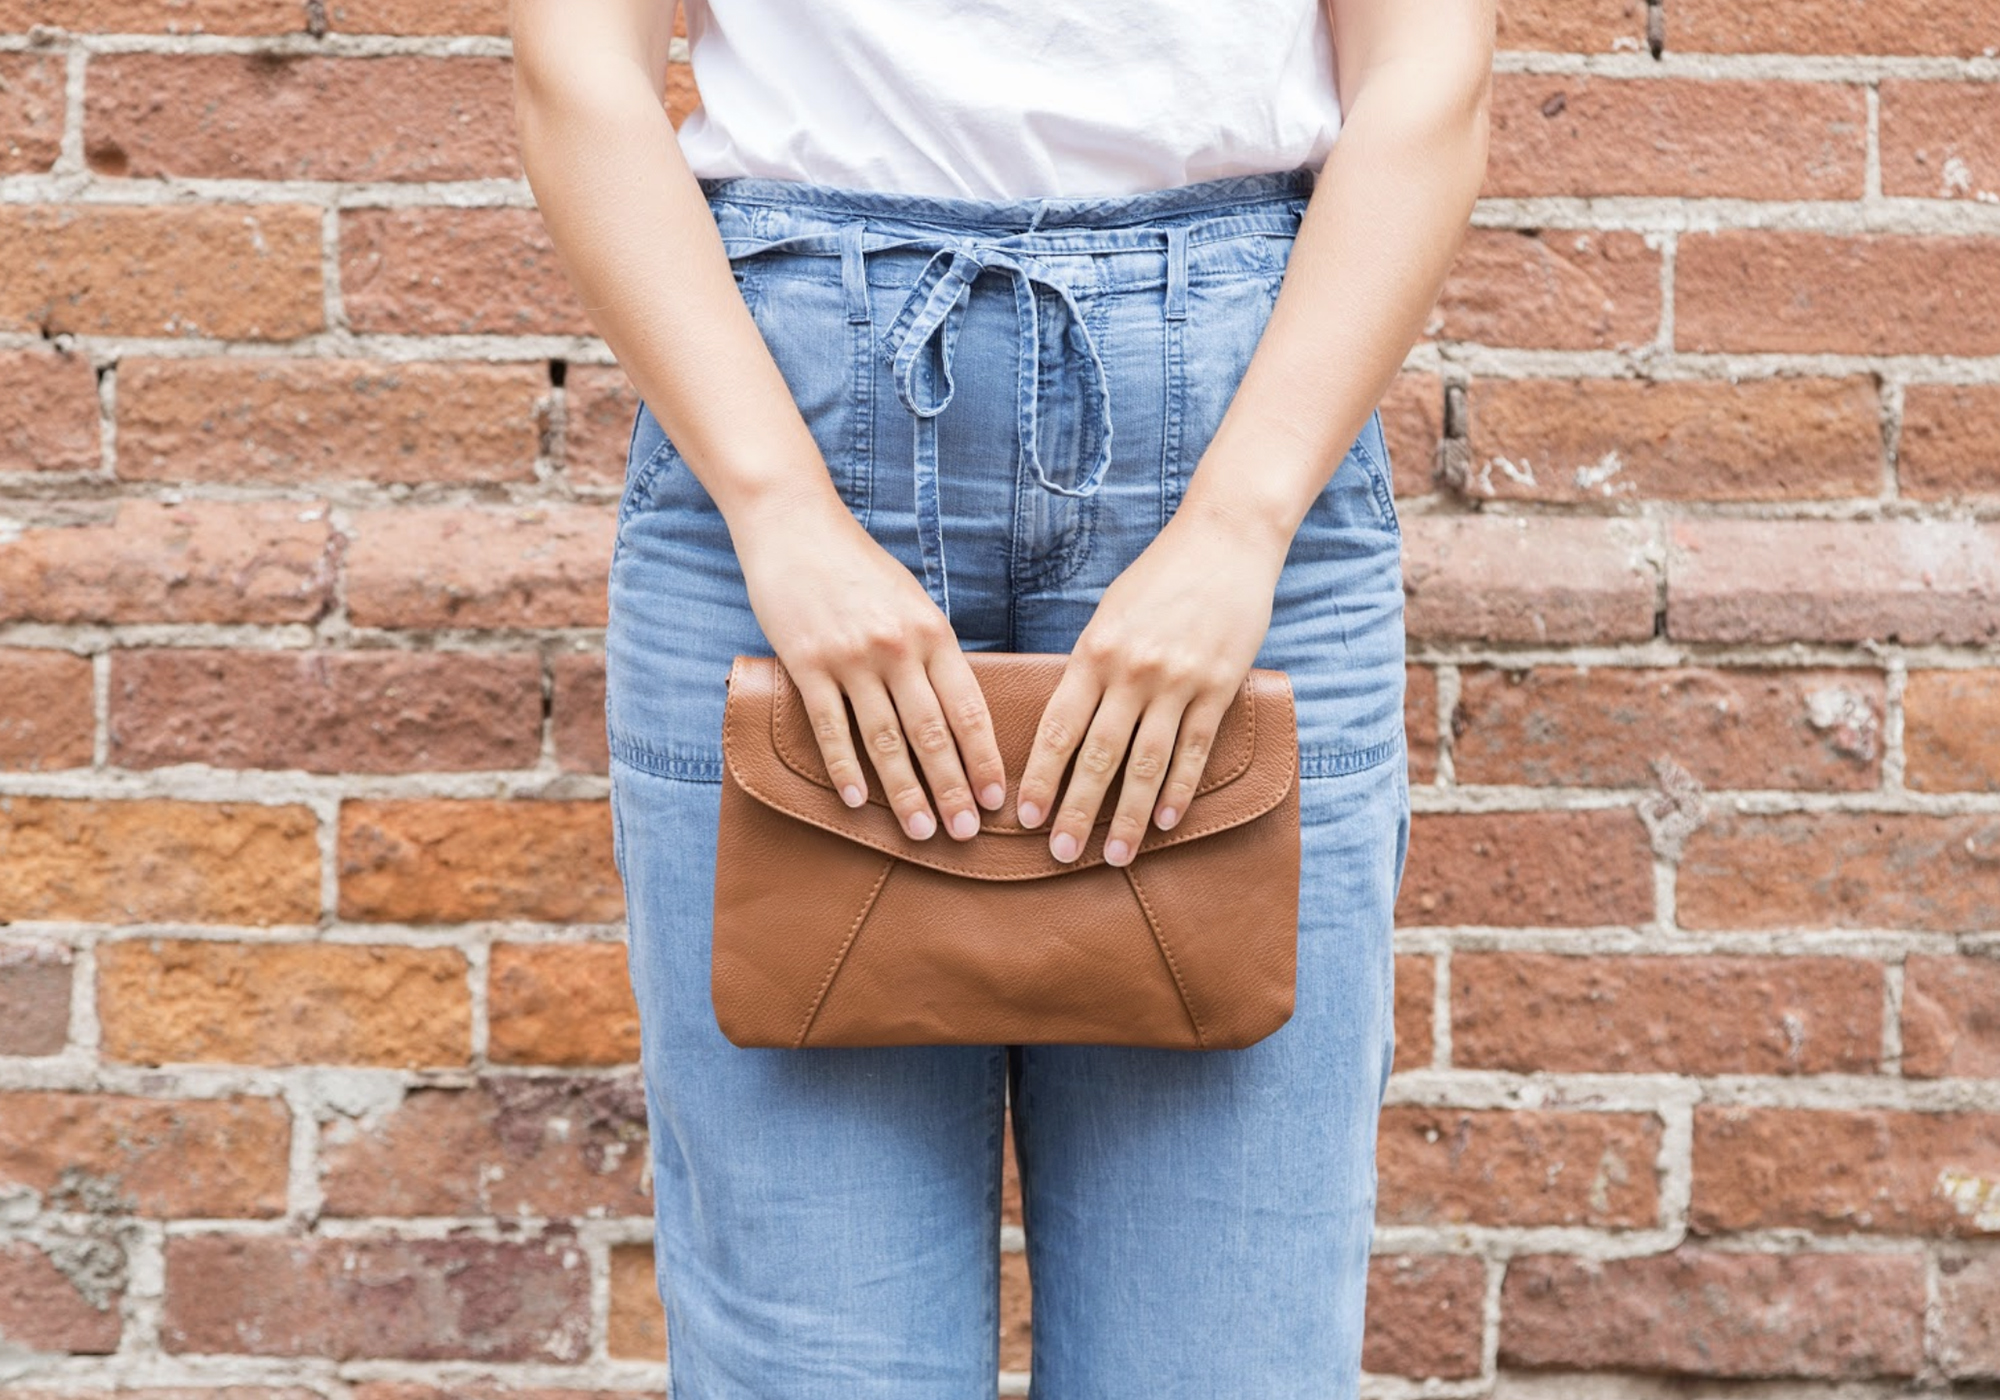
pixel 1378 477
pixel 860 470
pixel 1332 763
pixel 687 765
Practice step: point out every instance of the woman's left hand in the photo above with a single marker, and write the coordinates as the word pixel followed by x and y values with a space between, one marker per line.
pixel 1164 654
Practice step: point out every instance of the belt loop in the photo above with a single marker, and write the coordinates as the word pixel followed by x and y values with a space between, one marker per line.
pixel 1177 272
pixel 853 270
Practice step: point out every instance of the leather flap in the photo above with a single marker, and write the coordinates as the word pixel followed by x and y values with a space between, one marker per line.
pixel 768 744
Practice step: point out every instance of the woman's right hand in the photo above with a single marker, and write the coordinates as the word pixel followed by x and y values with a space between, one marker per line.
pixel 847 619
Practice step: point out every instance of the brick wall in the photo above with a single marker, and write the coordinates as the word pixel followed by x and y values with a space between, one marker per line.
pixel 315 1043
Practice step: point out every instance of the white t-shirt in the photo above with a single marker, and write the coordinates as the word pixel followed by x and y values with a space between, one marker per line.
pixel 1009 99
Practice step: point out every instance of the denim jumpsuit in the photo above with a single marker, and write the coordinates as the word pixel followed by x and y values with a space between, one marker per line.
pixel 1011 396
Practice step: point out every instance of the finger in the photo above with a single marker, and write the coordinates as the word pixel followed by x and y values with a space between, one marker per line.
pixel 1097 759
pixel 1145 771
pixel 964 703
pixel 882 732
pixel 828 710
pixel 936 747
pixel 1062 725
pixel 1191 752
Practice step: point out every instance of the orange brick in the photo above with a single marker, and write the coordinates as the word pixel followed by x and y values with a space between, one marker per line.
pixel 1455 1166
pixel 164 1001
pixel 1515 869
pixel 471 566
pixel 45 1308
pixel 157 859
pixel 453 861
pixel 1951 1017
pixel 1951 730
pixel 1426 1316
pixel 638 1326
pixel 597 424
pixel 34 998
pixel 1941 140
pixel 1420 724
pixel 582 743
pixel 113 1154
pixel 46 718
pixel 1956 28
pixel 1559 289
pixel 561 1004
pixel 48 418
pixel 1017 1312
pixel 1950 444
pixel 156 16
pixel 425 271
pixel 1566 26
pixel 1416 986
pixel 1516 579
pixel 1413 425
pixel 417 16
pixel 300 421
pixel 31 111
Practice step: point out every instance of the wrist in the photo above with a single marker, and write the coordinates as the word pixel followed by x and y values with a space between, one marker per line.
pixel 1249 519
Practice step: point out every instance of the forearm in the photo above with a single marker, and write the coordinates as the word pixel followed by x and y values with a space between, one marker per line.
pixel 634 233
pixel 1379 233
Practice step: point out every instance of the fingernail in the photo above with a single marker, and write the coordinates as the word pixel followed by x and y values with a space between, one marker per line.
pixel 965 824
pixel 1064 846
pixel 921 825
pixel 852 795
pixel 1116 851
pixel 1030 814
pixel 993 795
pixel 1168 816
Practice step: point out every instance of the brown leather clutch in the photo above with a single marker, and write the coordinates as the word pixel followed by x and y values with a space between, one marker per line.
pixel 835 927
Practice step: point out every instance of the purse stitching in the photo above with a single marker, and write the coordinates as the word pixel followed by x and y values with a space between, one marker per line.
pixel 840 955
pixel 1173 966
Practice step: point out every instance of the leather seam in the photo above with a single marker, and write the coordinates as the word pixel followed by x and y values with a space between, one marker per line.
pixel 840 956
pixel 1167 952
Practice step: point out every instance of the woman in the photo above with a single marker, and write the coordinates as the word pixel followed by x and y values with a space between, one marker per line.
pixel 1029 327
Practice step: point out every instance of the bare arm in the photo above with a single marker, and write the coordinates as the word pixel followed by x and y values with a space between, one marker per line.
pixel 1174 635
pixel 635 235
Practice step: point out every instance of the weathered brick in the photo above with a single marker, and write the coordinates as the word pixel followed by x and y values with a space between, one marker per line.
pixel 418 1300
pixel 1517 869
pixel 1958 28
pixel 600 408
pixel 1841 870
pixel 1568 26
pixel 437 271
pixel 34 998
pixel 46 716
pixel 453 861
pixel 1518 1167
pixel 1969 1316
pixel 62 1299
pixel 507 1146
pixel 1416 983
pixel 1413 425
pixel 472 1390
pixel 1951 730
pixel 637 1330
pixel 1575 134
pixel 31 111
pixel 582 743
pixel 1017 1312
pixel 1426 1316
pixel 1833 580
pixel 196 1392
pixel 157 859
pixel 467 566
pixel 48 417
pixel 285 420
pixel 1941 140
pixel 1515 579
pixel 1576 440
pixel 1854 294
pixel 417 16
pixel 1559 289
pixel 162 1157
pixel 1708 1313
pixel 1586 726
pixel 237 271
pixel 1420 724
pixel 1950 444
pixel 561 1004
pixel 325 712
pixel 148 561
pixel 1838 1170
pixel 1533 1012
pixel 294 117
pixel 156 16
pixel 166 1001
pixel 1951 1017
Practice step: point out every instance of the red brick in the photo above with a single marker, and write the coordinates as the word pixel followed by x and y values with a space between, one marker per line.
pixel 1420 723
pixel 1950 444
pixel 1413 426
pixel 1017 1312
pixel 272 116
pixel 326 712
pixel 306 421
pixel 1951 1017
pixel 147 561
pixel 1841 870
pixel 1575 440
pixel 197 1392
pixel 156 16
pixel 1834 1171
pixel 464 566
pixel 31 111
pixel 637 1330
pixel 48 418
pixel 417 16
pixel 1941 140
pixel 1817 293
pixel 418 1300
pixel 445 861
pixel 156 860
pixel 507 1146
pixel 561 1004
pixel 1531 1012
pixel 1426 1316
pixel 601 406
pixel 1708 1313
pixel 58 1300
pixel 1585 726
pixel 34 998
pixel 1951 730
pixel 1519 579
pixel 237 271
pixel 46 716
pixel 1969 1308
pixel 168 1001
pixel 469 1390
pixel 1833 580
pixel 1957 28
pixel 1558 289
pixel 582 744
pixel 1441 1167
pixel 425 271
pixel 1416 1036
pixel 1574 134
pixel 1565 26
pixel 1516 869
pixel 110 1154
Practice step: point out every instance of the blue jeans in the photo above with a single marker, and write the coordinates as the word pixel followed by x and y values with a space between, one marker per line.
pixel 1011 397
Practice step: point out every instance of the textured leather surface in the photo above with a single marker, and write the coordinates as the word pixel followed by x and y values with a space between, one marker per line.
pixel 834 927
